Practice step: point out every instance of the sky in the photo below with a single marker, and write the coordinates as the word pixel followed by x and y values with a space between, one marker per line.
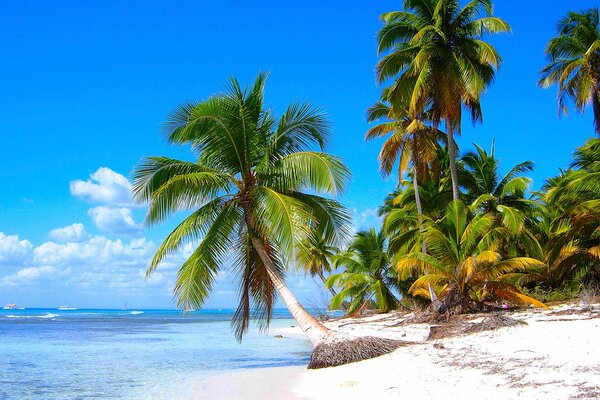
pixel 86 86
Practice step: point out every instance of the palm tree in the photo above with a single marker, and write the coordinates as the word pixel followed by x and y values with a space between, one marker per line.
pixel 463 259
pixel 504 196
pixel 367 274
pixel 252 189
pixel 570 223
pixel 574 65
pixel 314 255
pixel 437 56
pixel 411 140
pixel 480 176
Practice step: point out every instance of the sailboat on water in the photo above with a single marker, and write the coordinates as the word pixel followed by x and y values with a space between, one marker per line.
pixel 66 308
pixel 14 306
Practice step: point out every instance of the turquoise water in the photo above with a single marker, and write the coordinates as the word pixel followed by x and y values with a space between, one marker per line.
pixel 117 354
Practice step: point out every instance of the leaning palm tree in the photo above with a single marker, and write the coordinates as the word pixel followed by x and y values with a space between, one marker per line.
pixel 253 189
pixel 464 263
pixel 437 56
pixel 574 57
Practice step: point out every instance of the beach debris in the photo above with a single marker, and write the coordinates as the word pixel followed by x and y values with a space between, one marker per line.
pixel 338 350
pixel 458 328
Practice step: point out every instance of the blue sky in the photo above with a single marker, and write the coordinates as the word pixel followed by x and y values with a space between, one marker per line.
pixel 85 87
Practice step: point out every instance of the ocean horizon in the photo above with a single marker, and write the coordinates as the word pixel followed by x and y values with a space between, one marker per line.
pixel 47 353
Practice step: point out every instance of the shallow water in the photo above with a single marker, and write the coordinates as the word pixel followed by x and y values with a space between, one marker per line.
pixel 128 354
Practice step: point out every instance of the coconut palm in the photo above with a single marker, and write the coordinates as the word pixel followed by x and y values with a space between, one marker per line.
pixel 435 52
pixel 570 223
pixel 464 262
pixel 314 255
pixel 252 191
pixel 574 65
pixel 367 274
pixel 411 140
pixel 572 249
pixel 480 176
pixel 400 217
pixel 504 196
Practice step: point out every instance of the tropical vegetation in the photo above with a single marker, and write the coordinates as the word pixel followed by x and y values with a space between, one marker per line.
pixel 251 189
pixel 259 192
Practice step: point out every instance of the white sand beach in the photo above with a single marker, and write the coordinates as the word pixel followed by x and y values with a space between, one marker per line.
pixel 554 354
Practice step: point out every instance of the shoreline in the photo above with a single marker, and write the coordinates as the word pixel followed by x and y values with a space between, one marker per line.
pixel 550 354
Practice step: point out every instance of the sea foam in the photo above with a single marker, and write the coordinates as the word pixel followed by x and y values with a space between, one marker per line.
pixel 47 315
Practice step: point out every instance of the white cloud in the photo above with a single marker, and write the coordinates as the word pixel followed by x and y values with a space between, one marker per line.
pixel 367 219
pixel 26 275
pixel 114 220
pixel 71 233
pixel 97 251
pixel 12 250
pixel 104 186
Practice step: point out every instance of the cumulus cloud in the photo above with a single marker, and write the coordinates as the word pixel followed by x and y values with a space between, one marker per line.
pixel 97 251
pixel 104 186
pixel 71 233
pixel 115 220
pixel 12 250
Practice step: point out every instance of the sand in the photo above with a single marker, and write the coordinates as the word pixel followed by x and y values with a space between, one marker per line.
pixel 555 354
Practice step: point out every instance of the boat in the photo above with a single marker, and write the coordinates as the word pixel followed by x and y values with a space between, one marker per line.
pixel 66 308
pixel 12 306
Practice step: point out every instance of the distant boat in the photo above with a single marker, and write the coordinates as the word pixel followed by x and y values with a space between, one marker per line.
pixel 66 308
pixel 12 306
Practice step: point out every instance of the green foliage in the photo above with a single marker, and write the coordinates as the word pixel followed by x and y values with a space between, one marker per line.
pixel 570 223
pixel 367 274
pixel 435 52
pixel 574 62
pixel 254 192
pixel 411 138
pixel 463 256
pixel 567 291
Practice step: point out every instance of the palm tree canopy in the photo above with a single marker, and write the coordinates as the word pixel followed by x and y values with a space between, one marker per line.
pixel 570 223
pixel 574 62
pixel 481 175
pixel 368 274
pixel 409 138
pixel 314 255
pixel 465 252
pixel 434 49
pixel 436 52
pixel 255 177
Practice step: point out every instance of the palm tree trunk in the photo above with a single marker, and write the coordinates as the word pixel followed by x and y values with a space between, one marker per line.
pixel 419 210
pixel 452 157
pixel 596 108
pixel 415 158
pixel 313 329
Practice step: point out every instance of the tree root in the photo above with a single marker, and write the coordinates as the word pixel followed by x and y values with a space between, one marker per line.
pixel 338 351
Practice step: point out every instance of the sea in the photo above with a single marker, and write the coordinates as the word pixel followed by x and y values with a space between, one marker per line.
pixel 130 354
